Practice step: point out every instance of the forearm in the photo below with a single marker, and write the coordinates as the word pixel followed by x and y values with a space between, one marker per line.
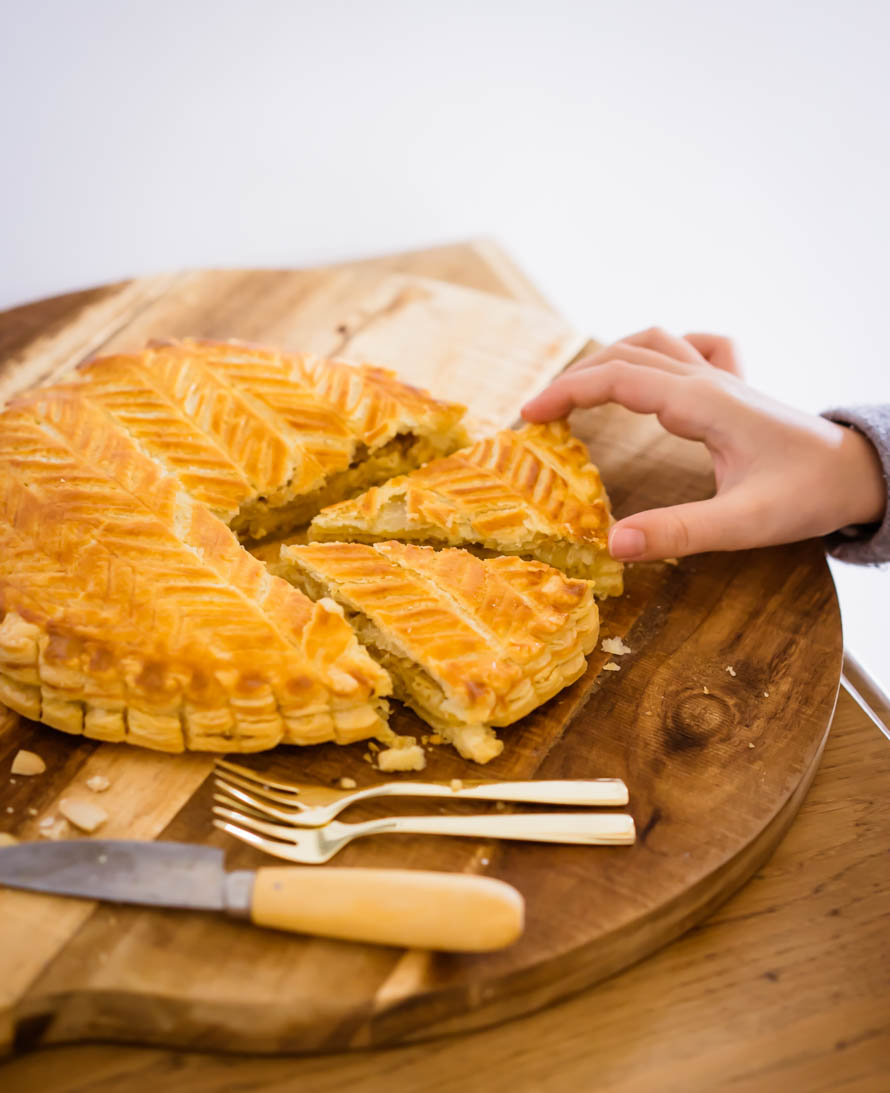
pixel 867 541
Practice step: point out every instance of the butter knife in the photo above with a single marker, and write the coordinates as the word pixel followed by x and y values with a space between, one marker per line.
pixel 451 912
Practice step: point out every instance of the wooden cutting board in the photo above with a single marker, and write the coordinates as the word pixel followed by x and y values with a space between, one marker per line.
pixel 717 761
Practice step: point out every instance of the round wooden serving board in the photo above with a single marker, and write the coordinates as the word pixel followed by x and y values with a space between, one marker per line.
pixel 717 760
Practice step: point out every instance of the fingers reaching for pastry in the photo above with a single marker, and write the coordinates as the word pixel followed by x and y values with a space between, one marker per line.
pixel 718 351
pixel 658 340
pixel 720 523
pixel 781 475
pixel 657 348
pixel 683 403
pixel 636 354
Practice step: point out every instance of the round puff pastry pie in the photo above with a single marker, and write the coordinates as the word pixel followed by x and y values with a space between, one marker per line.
pixel 128 609
pixel 469 643
pixel 530 492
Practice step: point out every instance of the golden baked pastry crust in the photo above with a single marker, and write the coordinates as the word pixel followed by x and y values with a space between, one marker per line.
pixel 130 612
pixel 470 643
pixel 265 439
pixel 531 492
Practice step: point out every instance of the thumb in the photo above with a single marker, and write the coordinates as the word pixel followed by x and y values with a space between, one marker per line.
pixel 721 523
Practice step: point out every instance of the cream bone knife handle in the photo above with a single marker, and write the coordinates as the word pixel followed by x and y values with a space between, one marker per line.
pixel 580 792
pixel 409 908
pixel 591 828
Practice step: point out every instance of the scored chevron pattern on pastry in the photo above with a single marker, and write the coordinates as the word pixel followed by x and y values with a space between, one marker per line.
pixel 530 492
pixel 164 430
pixel 378 404
pixel 264 438
pixel 280 382
pixel 470 643
pixel 130 611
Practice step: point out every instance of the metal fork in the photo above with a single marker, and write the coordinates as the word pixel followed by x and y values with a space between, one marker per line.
pixel 314 845
pixel 309 805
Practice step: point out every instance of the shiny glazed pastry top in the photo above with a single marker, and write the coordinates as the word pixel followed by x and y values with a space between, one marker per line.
pixel 532 492
pixel 130 611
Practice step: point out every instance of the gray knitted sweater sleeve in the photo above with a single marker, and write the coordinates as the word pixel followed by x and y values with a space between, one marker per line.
pixel 867 545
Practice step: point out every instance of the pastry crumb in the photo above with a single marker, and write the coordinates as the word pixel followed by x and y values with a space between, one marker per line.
pixel 347 783
pixel 399 759
pixel 705 691
pixel 32 811
pixel 750 745
pixel 52 828
pixel 435 738
pixel 615 646
pixel 500 806
pixel 9 808
pixel 671 561
pixel 373 745
pixel 731 670
pixel 98 783
pixel 367 757
pixel 456 784
pixel 27 762
pixel 83 814
pixel 611 666
pixel 766 694
pixel 425 739
pixel 483 861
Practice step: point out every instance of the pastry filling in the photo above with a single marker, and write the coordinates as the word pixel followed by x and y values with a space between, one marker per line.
pixel 263 516
pixel 412 684
pixel 583 560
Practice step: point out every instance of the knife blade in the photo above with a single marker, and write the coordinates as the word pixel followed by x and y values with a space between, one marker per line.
pixel 451 912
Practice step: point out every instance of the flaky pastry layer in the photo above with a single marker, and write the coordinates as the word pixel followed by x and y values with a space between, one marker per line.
pixel 264 438
pixel 128 609
pixel 531 492
pixel 470 643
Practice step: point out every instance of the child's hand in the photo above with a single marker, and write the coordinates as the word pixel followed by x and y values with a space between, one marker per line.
pixel 782 475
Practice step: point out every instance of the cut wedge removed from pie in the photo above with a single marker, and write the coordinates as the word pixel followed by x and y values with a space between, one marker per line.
pixel 531 492
pixel 470 643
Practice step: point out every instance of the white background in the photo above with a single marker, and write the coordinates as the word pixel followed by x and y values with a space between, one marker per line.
pixel 700 165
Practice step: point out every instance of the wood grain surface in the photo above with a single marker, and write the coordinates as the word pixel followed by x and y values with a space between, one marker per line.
pixel 784 989
pixel 717 761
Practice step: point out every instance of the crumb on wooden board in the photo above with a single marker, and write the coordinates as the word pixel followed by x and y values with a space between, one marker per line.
pixel 27 763
pixel 402 759
pixel 82 813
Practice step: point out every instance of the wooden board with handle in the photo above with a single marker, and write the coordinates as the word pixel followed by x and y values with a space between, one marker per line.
pixel 717 761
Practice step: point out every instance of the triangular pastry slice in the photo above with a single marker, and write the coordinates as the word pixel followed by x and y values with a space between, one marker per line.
pixel 265 439
pixel 129 612
pixel 469 643
pixel 531 492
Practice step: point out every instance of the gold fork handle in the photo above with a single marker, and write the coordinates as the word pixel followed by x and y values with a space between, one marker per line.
pixel 404 907
pixel 591 828
pixel 579 792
